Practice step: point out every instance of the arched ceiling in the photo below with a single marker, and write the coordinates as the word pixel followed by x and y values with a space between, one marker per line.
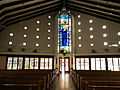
pixel 13 11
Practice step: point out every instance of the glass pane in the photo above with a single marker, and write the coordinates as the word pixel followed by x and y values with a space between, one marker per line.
pixel 27 64
pixel 77 63
pixel 36 63
pixel 103 65
pixel 66 64
pixel 31 63
pixel 46 63
pixel 64 33
pixel 97 63
pixel 92 63
pixel 41 63
pixel 15 62
pixel 86 63
pixel 110 64
pixel 115 63
pixel 82 64
pixel 9 63
pixel 50 63
pixel 20 63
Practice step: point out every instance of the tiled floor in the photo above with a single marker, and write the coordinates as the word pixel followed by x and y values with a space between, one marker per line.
pixel 64 82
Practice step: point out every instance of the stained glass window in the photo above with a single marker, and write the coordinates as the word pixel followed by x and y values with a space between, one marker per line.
pixel 64 33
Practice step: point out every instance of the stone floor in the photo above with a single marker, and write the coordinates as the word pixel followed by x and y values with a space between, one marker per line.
pixel 64 82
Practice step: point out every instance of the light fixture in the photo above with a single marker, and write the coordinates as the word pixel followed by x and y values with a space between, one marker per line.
pixel 80 45
pixel 105 43
pixel 118 33
pixel 49 30
pixel 90 21
pixel 104 26
pixel 49 16
pixel 37 44
pixel 91 28
pixel 38 22
pixel 11 34
pixel 79 30
pixel 25 27
pixel 79 16
pixel 48 45
pixel 104 35
pixel 79 23
pixel 10 43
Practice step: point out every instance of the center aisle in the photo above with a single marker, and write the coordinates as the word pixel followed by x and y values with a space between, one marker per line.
pixel 64 82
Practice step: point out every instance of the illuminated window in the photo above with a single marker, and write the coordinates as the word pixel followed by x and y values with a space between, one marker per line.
pixel 46 63
pixel 103 64
pixel 10 43
pixel 36 62
pixel 38 22
pixel 79 30
pixel 110 64
pixel 118 42
pixel 79 16
pixel 118 33
pixel 79 38
pixel 80 45
pixel 91 36
pixel 79 23
pixel 38 29
pixel 90 21
pixel 64 33
pixel 37 44
pixel 49 23
pixel 25 27
pixel 49 16
pixel 91 44
pixel 25 35
pixel 93 64
pixel 49 38
pixel 50 63
pixel 24 43
pixel 115 64
pixel 105 35
pixel 104 27
pixel 41 63
pixel 11 34
pixel 37 36
pixel 15 63
pixel 77 63
pixel 9 63
pixel 49 30
pixel 48 45
pixel 82 63
pixel 91 28
pixel 105 43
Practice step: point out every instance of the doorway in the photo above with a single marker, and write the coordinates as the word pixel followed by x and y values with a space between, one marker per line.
pixel 64 64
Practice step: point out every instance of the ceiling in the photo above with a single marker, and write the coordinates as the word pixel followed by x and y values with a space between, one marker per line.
pixel 14 11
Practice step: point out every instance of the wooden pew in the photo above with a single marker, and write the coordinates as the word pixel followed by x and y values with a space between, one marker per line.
pixel 100 83
pixel 39 78
pixel 78 75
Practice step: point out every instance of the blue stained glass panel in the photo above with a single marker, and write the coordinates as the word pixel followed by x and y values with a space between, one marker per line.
pixel 64 32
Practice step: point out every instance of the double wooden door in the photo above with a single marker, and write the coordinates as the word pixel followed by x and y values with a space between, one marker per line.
pixel 64 64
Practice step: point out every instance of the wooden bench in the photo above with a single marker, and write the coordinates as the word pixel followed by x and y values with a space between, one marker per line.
pixel 100 83
pixel 42 79
pixel 80 75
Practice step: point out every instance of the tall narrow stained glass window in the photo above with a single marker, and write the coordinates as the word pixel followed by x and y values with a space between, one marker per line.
pixel 64 33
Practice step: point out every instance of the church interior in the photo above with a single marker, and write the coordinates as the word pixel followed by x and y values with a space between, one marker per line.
pixel 80 48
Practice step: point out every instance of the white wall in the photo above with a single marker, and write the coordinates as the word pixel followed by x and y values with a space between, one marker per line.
pixel 98 39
